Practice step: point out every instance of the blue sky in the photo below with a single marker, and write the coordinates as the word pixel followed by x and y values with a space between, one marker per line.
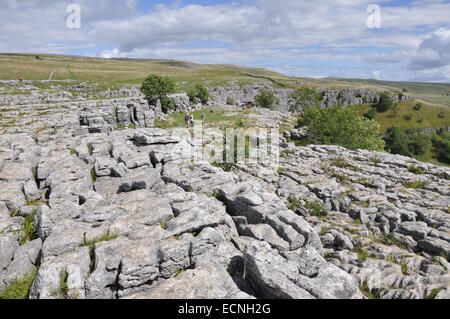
pixel 306 38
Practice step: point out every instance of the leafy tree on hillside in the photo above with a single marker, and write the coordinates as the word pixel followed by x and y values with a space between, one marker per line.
pixel 157 87
pixel 265 98
pixel 339 126
pixel 419 144
pixel 303 98
pixel 397 142
pixel 198 93
pixel 371 114
pixel 441 144
pixel 385 103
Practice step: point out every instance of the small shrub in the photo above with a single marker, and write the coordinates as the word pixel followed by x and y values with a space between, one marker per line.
pixel 369 293
pixel 415 184
pixel 375 160
pixel 340 162
pixel 167 104
pixel 316 209
pixel 362 253
pixel 230 101
pixel 441 115
pixel 294 204
pixel 415 170
pixel 371 114
pixel 407 117
pixel 385 103
pixel 390 240
pixel 265 99
pixel 198 93
pixel 417 107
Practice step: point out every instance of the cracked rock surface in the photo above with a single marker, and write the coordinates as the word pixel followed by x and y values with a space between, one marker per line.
pixel 126 214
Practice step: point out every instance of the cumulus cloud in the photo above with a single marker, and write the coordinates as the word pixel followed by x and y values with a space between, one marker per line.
pixel 434 51
pixel 279 34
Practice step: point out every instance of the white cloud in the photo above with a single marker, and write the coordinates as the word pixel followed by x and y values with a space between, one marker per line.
pixel 276 33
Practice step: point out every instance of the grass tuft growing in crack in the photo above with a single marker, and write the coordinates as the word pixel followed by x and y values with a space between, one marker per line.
pixel 91 243
pixel 20 287
pixel 28 228
pixel 63 290
pixel 371 293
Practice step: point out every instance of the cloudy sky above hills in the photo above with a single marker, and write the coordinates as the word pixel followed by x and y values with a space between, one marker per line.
pixel 314 38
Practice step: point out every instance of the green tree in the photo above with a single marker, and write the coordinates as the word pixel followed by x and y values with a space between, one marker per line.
pixel 265 98
pixel 303 98
pixel 397 142
pixel 385 103
pixel 441 145
pixel 339 126
pixel 419 144
pixel 156 87
pixel 198 93
pixel 371 114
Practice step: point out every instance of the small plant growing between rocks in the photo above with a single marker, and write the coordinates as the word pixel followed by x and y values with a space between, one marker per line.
pixel 415 170
pixel 294 204
pixel 91 243
pixel 375 160
pixel 340 162
pixel 179 271
pixel 371 293
pixel 63 290
pixel 316 209
pixel 20 287
pixel 415 184
pixel 28 228
pixel 433 293
pixel 93 176
pixel 90 149
pixel 362 252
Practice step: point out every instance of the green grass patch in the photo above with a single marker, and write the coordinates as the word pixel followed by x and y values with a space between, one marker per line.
pixel 340 162
pixel 368 292
pixel 294 204
pixel 316 209
pixel 415 184
pixel 20 287
pixel 362 252
pixel 407 118
pixel 93 176
pixel 416 170
pixel 433 293
pixel 28 228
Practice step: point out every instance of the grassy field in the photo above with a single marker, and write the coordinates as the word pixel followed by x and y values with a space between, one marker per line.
pixel 407 118
pixel 220 117
pixel 120 72
pixel 431 92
